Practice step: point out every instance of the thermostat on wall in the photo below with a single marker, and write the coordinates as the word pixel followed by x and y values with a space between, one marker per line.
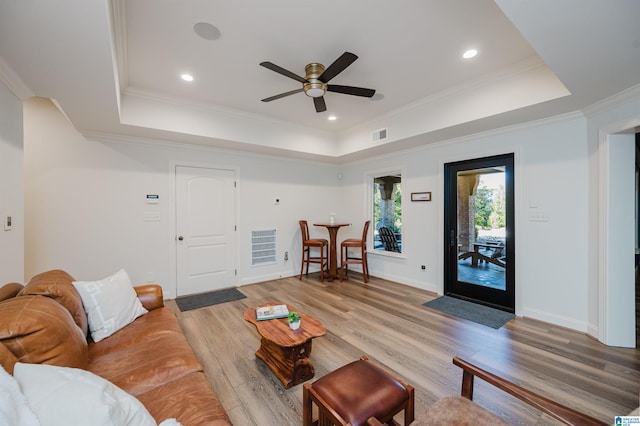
pixel 153 198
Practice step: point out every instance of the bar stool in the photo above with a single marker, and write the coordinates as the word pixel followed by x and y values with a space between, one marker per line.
pixel 355 392
pixel 307 245
pixel 347 260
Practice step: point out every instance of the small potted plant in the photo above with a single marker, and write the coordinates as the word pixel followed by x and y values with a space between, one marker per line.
pixel 294 320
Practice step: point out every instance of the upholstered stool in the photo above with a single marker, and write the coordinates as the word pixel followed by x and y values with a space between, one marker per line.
pixel 353 393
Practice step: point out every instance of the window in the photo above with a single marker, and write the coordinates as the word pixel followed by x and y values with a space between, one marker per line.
pixel 387 211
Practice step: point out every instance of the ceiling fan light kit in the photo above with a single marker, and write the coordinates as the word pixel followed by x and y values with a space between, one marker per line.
pixel 313 87
pixel 314 83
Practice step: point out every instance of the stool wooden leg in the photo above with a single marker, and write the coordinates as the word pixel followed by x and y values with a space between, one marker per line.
pixel 409 411
pixel 307 409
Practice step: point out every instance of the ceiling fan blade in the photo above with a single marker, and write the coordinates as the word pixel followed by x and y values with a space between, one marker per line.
pixel 350 90
pixel 337 66
pixel 280 70
pixel 282 95
pixel 319 103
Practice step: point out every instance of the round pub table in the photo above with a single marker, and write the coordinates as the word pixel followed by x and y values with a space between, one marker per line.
pixel 333 229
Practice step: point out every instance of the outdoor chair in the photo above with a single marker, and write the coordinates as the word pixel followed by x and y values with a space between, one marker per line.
pixel 388 239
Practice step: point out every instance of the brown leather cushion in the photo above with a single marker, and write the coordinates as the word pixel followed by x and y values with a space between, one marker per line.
pixel 147 365
pixel 150 326
pixel 188 399
pixel 39 330
pixel 10 290
pixel 57 285
pixel 459 411
pixel 360 390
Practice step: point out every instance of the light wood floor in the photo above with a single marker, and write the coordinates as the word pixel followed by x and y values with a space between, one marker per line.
pixel 386 322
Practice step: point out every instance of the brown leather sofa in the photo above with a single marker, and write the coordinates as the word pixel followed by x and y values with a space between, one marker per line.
pixel 45 322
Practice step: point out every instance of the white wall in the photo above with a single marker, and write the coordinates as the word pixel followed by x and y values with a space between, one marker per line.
pixel 551 170
pixel 85 202
pixel 11 187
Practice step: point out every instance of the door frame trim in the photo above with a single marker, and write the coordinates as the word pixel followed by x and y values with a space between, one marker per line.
pixel 173 165
pixel 606 313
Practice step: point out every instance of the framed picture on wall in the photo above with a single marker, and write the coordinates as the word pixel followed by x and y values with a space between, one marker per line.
pixel 421 196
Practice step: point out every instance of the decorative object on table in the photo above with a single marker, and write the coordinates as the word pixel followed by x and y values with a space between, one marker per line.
pixel 293 319
pixel 271 312
pixel 347 260
pixel 332 218
pixel 308 244
pixel 421 196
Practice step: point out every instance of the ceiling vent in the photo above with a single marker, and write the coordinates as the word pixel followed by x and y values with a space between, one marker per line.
pixel 379 135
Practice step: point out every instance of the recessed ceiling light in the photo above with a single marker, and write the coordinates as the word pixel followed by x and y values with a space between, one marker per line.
pixel 332 118
pixel 470 53
pixel 187 77
pixel 207 31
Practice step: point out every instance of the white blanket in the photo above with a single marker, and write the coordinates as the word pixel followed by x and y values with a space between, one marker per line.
pixel 14 408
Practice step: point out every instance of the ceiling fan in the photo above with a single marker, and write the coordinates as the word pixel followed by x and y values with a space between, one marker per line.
pixel 315 82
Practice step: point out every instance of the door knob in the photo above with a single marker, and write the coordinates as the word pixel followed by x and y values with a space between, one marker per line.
pixel 180 238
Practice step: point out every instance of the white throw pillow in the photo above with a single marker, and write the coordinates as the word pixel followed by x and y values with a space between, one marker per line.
pixel 71 396
pixel 111 303
pixel 14 408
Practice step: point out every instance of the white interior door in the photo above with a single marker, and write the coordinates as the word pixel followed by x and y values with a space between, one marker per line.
pixel 205 225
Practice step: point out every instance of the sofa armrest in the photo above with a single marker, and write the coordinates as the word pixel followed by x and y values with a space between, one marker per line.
pixel 10 290
pixel 150 295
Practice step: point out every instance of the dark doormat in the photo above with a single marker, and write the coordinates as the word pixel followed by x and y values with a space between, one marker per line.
pixel 187 303
pixel 475 312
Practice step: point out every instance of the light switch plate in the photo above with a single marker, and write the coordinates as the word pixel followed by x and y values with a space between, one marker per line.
pixel 151 217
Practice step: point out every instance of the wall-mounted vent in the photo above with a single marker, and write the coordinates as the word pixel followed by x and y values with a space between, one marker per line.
pixel 263 247
pixel 379 135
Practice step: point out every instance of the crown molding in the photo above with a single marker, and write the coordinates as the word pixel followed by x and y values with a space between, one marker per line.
pixel 150 96
pixel 266 153
pixel 119 31
pixel 628 95
pixel 13 82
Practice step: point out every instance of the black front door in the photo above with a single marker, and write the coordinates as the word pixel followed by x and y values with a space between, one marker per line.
pixel 479 231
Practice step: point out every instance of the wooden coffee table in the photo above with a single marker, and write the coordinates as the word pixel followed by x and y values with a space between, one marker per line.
pixel 286 352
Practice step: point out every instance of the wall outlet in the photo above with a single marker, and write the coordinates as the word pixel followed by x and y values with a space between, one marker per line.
pixel 8 222
pixel 286 255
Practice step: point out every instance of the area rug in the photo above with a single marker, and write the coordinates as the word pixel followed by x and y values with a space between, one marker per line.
pixel 481 314
pixel 187 303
